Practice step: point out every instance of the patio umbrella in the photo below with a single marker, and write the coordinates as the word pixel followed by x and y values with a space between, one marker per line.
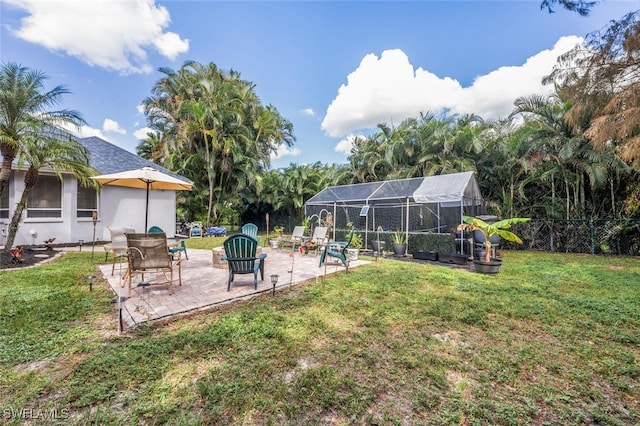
pixel 145 178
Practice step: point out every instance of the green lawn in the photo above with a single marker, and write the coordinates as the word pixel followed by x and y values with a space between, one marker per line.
pixel 205 242
pixel 553 339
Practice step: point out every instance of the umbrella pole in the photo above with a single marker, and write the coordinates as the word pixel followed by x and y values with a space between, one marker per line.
pixel 146 211
pixel 144 283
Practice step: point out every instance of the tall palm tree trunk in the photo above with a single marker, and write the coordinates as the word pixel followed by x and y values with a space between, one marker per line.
pixel 512 191
pixel 8 154
pixel 210 175
pixel 553 192
pixel 568 196
pixel 613 199
pixel 583 203
pixel 210 208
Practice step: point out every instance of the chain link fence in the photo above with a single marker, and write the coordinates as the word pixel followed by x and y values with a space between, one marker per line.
pixel 602 236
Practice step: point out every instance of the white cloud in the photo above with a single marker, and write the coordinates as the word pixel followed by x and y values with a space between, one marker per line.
pixel 87 132
pixel 112 126
pixel 308 111
pixel 170 45
pixel 106 33
pixel 140 109
pixel 346 144
pixel 142 133
pixel 388 90
pixel 285 151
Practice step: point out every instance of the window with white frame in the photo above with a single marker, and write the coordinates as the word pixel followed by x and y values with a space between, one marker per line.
pixel 45 199
pixel 4 204
pixel 87 201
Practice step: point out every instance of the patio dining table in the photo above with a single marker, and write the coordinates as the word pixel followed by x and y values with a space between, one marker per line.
pixel 115 248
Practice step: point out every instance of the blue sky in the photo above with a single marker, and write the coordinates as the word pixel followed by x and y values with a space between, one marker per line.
pixel 333 68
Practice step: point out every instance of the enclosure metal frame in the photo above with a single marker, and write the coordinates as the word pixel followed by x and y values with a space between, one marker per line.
pixel 404 201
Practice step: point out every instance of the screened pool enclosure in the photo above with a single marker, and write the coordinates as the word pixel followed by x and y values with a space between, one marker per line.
pixel 427 204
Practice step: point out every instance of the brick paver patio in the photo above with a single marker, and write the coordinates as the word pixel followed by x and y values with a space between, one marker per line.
pixel 204 287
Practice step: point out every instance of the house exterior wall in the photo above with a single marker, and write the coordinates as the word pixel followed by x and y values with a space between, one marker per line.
pixel 117 207
pixel 125 207
pixel 36 230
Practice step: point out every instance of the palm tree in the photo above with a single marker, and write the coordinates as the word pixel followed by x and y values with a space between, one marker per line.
pixel 49 152
pixel 366 162
pixel 151 147
pixel 204 110
pixel 270 126
pixel 301 182
pixel 507 169
pixel 190 105
pixel 452 145
pixel 551 139
pixel 24 113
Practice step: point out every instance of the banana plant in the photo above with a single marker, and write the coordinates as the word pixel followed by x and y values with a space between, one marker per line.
pixel 498 228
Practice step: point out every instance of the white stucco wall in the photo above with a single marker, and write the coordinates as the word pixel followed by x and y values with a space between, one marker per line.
pixel 120 206
pixel 117 207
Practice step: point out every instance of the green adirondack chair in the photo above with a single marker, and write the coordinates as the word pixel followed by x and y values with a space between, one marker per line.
pixel 240 253
pixel 251 230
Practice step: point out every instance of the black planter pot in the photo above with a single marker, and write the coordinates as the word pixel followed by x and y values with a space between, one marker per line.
pixel 479 253
pixel 377 246
pixel 399 249
pixel 425 255
pixel 458 259
pixel 491 267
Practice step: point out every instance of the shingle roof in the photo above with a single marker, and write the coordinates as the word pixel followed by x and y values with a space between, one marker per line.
pixel 108 158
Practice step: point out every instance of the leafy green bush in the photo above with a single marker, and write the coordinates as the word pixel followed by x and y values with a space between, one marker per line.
pixel 441 243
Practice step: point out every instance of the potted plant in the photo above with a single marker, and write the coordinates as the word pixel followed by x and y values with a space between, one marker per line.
pixel 353 249
pixel 355 244
pixel 274 241
pixel 500 228
pixel 306 222
pixel 399 244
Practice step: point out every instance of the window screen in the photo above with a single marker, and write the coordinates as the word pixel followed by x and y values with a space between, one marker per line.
pixel 4 204
pixel 45 199
pixel 87 201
